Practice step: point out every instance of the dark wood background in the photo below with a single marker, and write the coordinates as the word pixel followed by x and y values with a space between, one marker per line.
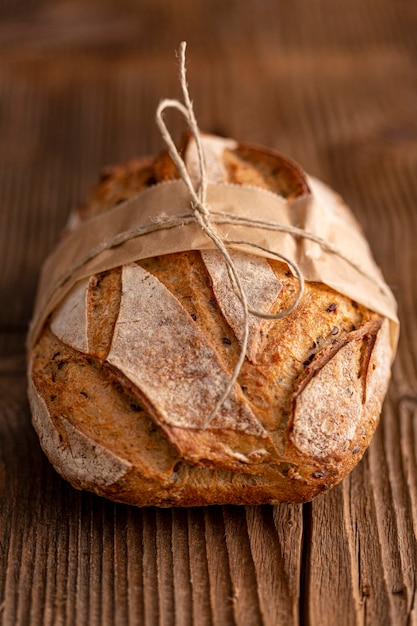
pixel 333 83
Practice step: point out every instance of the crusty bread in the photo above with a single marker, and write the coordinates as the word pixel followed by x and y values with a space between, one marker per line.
pixel 109 406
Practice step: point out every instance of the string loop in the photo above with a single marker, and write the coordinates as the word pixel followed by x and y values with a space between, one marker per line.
pixel 202 215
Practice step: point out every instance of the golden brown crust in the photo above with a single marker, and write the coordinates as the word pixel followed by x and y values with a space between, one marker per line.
pixel 265 168
pixel 315 387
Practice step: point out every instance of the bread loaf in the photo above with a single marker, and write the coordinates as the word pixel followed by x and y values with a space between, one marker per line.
pixel 127 366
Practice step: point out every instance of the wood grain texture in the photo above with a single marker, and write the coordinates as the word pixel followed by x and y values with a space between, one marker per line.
pixel 333 84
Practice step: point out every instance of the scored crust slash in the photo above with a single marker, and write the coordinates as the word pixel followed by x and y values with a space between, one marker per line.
pixel 203 333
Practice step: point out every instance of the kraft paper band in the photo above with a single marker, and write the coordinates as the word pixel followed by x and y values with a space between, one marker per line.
pixel 159 221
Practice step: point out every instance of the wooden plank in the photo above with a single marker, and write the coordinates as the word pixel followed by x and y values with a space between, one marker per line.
pixel 181 577
pixel 220 590
pixel 242 571
pixel 278 601
pixel 199 570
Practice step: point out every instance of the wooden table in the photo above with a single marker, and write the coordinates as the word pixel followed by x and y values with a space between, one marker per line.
pixel 333 83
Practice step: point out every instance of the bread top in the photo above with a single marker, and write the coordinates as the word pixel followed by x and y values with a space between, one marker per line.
pixel 309 394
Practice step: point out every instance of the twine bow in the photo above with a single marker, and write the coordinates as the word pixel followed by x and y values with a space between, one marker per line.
pixel 201 214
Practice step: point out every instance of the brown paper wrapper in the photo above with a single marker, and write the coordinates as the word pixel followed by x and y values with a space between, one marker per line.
pixel 120 236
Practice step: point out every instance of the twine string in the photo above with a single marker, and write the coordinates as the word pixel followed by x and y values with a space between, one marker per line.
pixel 202 213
